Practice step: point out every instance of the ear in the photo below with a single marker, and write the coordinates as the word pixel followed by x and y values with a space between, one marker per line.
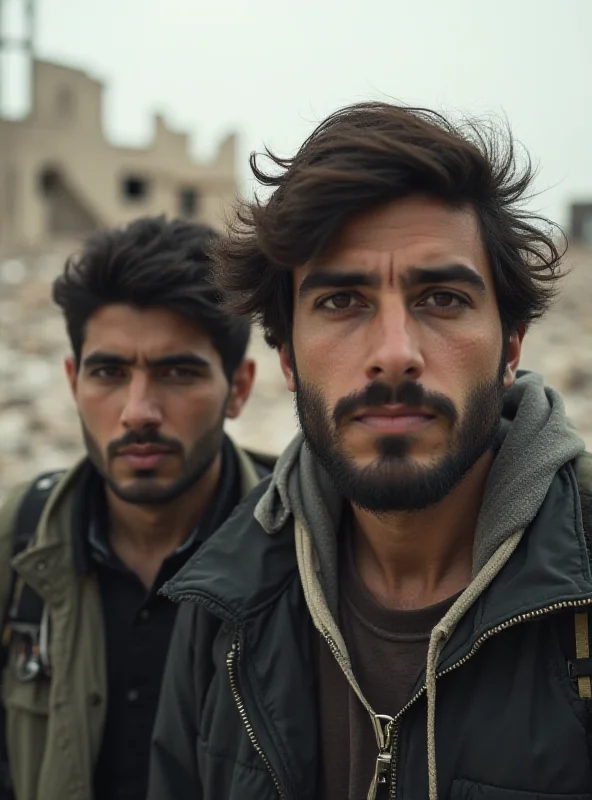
pixel 242 384
pixel 513 355
pixel 71 374
pixel 287 366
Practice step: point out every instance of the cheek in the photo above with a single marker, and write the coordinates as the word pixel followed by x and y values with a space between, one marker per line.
pixel 459 355
pixel 459 362
pixel 99 411
pixel 475 354
pixel 470 344
pixel 194 411
pixel 329 355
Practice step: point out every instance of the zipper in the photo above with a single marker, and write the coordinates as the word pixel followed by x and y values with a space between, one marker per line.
pixel 232 658
pixel 394 755
pixel 385 730
pixel 384 727
pixel 395 724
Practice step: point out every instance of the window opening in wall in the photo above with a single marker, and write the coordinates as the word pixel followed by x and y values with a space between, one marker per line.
pixel 49 180
pixel 586 228
pixel 188 202
pixel 135 188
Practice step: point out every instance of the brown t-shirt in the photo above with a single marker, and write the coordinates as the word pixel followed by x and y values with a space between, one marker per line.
pixel 388 651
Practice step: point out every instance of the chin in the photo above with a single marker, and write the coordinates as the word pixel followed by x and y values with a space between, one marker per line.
pixel 145 491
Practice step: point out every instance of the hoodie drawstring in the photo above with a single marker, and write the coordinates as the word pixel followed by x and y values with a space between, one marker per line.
pixel 437 641
pixel 442 632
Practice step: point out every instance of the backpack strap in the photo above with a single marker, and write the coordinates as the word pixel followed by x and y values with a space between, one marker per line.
pixel 31 509
pixel 22 602
pixel 26 621
pixel 23 613
pixel 580 667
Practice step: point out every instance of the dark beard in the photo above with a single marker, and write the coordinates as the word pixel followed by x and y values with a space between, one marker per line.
pixel 146 490
pixel 394 482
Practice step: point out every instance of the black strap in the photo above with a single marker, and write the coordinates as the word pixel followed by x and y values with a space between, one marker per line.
pixel 581 667
pixel 31 509
pixel 29 606
pixel 27 518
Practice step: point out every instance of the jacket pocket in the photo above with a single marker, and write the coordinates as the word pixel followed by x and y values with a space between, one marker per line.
pixel 31 697
pixel 469 790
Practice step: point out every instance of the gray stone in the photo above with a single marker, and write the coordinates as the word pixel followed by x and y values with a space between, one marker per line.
pixel 14 431
pixel 12 272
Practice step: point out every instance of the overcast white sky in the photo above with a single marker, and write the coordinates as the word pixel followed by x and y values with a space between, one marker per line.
pixel 270 69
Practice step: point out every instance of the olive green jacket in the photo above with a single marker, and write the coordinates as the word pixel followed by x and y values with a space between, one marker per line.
pixel 54 727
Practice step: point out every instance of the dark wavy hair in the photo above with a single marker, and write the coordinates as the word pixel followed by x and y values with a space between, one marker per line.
pixel 369 154
pixel 151 263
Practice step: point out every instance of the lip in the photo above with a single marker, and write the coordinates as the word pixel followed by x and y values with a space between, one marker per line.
pixel 143 450
pixel 144 456
pixel 394 419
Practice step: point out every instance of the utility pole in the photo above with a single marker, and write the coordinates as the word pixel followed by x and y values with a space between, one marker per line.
pixel 22 42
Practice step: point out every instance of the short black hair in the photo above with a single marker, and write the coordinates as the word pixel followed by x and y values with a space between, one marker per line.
pixel 370 154
pixel 151 263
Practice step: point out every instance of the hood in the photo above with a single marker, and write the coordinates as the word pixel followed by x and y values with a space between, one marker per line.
pixel 536 439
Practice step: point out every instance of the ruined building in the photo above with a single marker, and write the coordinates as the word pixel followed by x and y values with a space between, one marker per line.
pixel 60 178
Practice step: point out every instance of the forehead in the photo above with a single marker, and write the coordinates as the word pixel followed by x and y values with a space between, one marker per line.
pixel 415 231
pixel 152 332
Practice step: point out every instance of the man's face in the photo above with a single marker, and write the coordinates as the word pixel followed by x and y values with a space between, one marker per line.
pixel 152 398
pixel 398 360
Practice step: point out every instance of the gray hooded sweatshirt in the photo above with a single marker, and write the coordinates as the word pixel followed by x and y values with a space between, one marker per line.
pixel 536 440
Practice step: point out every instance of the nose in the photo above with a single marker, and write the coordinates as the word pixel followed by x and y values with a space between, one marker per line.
pixel 141 409
pixel 394 353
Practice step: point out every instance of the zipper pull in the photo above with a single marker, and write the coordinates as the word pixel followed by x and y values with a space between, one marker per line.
pixel 381 781
pixel 384 727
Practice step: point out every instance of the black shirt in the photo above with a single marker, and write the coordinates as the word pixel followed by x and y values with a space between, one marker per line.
pixel 138 629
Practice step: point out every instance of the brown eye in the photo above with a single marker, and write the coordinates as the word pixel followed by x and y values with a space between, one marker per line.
pixel 107 373
pixel 445 300
pixel 180 373
pixel 338 302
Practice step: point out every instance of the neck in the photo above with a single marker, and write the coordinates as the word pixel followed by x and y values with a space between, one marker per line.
pixel 144 536
pixel 412 560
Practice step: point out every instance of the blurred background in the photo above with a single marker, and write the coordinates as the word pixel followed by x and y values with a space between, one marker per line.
pixel 112 110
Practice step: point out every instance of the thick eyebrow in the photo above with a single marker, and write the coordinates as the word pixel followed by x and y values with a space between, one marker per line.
pixel 179 360
pixel 102 358
pixel 449 273
pixel 329 279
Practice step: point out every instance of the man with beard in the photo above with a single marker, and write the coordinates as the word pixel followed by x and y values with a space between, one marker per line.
pixel 157 367
pixel 401 611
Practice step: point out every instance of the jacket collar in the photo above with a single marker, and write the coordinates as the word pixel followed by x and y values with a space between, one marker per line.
pixel 242 569
pixel 60 549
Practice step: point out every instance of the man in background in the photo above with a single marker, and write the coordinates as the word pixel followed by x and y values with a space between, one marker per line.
pixel 156 369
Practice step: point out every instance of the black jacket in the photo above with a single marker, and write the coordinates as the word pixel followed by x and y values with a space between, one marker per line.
pixel 238 713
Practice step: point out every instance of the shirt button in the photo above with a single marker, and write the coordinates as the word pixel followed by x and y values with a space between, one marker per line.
pixel 133 695
pixel 144 614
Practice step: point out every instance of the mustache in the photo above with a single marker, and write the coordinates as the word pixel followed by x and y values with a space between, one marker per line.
pixel 148 436
pixel 408 393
